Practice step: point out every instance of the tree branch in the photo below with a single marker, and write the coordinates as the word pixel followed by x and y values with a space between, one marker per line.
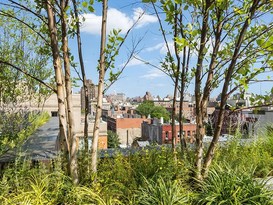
pixel 27 74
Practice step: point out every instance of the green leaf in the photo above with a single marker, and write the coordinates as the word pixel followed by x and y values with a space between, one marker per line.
pixel 181 42
pixel 148 1
pixel 84 4
pixel 115 32
pixel 119 38
pixel 260 42
pixel 91 9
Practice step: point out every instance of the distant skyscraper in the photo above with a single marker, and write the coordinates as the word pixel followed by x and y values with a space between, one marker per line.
pixel 92 94
pixel 148 96
pixel 120 97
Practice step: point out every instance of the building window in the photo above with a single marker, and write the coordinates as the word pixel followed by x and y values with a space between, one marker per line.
pixel 189 133
pixel 167 136
pixel 54 114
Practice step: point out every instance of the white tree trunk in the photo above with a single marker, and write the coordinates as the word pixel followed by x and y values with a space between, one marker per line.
pixel 94 151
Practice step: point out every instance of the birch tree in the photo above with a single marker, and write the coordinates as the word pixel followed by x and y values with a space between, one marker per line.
pixel 45 26
pixel 224 37
pixel 83 75
pixel 109 49
pixel 94 151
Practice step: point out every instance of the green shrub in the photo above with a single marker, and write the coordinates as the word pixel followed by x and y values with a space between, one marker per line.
pixel 122 175
pixel 18 126
pixel 87 195
pixel 159 162
pixel 225 185
pixel 256 155
pixel 113 140
pixel 33 185
pixel 164 192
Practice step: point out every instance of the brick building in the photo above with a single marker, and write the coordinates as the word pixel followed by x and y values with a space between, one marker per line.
pixel 127 127
pixel 161 133
pixel 232 120
pixel 188 107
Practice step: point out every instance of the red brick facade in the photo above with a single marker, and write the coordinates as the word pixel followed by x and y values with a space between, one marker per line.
pixel 127 128
pixel 162 133
pixel 189 131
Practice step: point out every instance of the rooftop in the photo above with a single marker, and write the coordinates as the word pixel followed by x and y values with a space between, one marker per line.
pixel 42 145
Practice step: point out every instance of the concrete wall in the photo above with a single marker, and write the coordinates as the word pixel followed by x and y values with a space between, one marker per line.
pixel 132 134
pixel 151 132
pixel 262 122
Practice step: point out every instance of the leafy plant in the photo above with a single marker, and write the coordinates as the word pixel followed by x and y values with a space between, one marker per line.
pixel 18 125
pixel 225 185
pixel 164 192
pixel 23 184
pixel 112 139
pixel 248 155
pixel 148 108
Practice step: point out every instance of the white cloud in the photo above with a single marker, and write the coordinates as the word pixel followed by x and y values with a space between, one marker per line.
pixel 145 18
pixel 133 62
pixel 153 74
pixel 116 20
pixel 162 48
pixel 156 47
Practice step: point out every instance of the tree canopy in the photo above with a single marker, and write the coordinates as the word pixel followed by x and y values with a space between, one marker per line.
pixel 221 44
pixel 148 108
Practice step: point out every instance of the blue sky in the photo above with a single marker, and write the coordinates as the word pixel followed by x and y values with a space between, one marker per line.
pixel 138 77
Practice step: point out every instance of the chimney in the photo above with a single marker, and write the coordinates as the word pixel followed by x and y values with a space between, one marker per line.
pixel 161 120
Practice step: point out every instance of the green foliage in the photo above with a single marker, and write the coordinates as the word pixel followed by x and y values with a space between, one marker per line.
pixel 226 185
pixel 18 48
pixel 22 183
pixel 164 192
pixel 150 164
pixel 87 195
pixel 114 43
pixel 148 108
pixel 149 176
pixel 248 156
pixel 145 108
pixel 159 111
pixel 17 125
pixel 89 5
pixel 148 1
pixel 209 129
pixel 112 139
pixel 46 184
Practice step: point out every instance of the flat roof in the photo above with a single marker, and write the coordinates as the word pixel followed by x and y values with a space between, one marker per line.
pixel 41 145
